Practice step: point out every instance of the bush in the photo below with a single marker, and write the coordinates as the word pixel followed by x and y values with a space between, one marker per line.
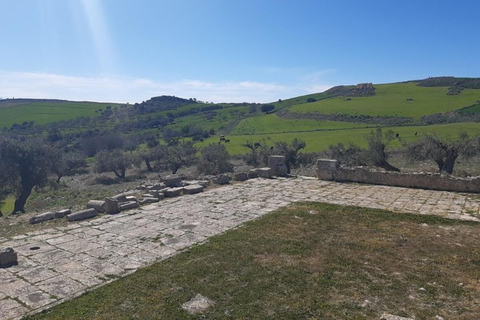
pixel 214 159
pixel 266 108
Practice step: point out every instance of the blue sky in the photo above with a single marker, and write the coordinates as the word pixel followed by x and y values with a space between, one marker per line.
pixel 228 50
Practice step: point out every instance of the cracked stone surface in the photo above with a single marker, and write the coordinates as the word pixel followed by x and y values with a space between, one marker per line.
pixel 57 264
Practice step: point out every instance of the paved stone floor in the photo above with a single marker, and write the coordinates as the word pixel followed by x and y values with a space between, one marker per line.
pixel 60 263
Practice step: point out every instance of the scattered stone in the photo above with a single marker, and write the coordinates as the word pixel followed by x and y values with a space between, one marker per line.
pixel 147 195
pixel 240 176
pixel 265 172
pixel 222 178
pixel 387 316
pixel 128 205
pixel 82 215
pixel 111 206
pixel 158 186
pixel 158 194
pixel 130 199
pixel 8 258
pixel 42 217
pixel 172 181
pixel 149 200
pixel 120 197
pixel 62 213
pixel 193 189
pixel 198 304
pixel 98 205
pixel 173 192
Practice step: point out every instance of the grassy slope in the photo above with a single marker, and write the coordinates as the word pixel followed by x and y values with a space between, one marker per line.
pixel 46 112
pixel 391 100
pixel 309 261
pixel 320 140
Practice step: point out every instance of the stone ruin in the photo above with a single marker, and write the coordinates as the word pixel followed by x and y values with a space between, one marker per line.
pixel 330 170
pixel 168 187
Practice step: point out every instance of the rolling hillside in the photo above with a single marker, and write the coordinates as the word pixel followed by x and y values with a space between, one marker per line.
pixel 444 105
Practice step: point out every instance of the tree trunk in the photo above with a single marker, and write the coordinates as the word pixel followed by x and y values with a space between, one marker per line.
pixel 175 168
pixel 117 174
pixel 22 199
pixel 449 163
pixel 59 176
pixel 149 167
pixel 440 164
pixel 387 166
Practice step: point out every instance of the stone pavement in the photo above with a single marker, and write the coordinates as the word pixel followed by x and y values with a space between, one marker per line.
pixel 60 263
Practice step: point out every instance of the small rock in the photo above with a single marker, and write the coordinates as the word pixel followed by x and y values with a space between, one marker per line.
pixel 198 304
pixel 252 174
pixel 8 258
pixel 120 197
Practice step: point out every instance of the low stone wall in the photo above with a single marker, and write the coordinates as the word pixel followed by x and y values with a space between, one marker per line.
pixel 330 170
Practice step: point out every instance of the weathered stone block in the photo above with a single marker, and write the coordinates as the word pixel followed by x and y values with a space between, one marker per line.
pixel 240 176
pixel 62 213
pixel 274 161
pixel 222 178
pixel 281 171
pixel 82 215
pixel 173 192
pixel 172 181
pixel 120 197
pixel 42 217
pixel 253 173
pixel 193 189
pixel 8 258
pixel 130 198
pixel 265 172
pixel 98 205
pixel 327 164
pixel 158 186
pixel 111 206
pixel 387 316
pixel 128 205
pixel 158 194
pixel 149 200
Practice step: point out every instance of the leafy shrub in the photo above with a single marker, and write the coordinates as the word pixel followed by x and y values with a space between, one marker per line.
pixel 214 159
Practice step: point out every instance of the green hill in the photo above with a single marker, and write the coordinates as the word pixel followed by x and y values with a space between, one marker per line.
pixel 444 105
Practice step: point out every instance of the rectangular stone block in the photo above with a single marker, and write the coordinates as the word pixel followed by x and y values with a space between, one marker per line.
pixel 82 215
pixel 327 164
pixel 98 205
pixel 128 205
pixel 193 189
pixel 241 176
pixel 42 217
pixel 173 192
pixel 62 213
pixel 265 172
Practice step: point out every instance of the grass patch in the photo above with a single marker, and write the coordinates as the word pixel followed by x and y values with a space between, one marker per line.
pixel 308 261
pixel 391 100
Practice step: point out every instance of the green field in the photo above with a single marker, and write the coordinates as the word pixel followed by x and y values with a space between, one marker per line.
pixel 320 140
pixel 271 123
pixel 391 100
pixel 46 112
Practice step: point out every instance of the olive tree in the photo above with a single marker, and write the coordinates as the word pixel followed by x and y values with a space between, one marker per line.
pixel 214 159
pixel 116 161
pixel 24 165
pixel 443 152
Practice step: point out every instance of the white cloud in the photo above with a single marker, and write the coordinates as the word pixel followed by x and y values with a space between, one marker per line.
pixel 119 89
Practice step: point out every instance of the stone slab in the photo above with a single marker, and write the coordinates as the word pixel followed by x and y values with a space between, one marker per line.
pixel 82 215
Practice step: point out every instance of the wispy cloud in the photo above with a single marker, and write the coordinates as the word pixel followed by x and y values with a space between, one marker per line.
pixel 119 89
